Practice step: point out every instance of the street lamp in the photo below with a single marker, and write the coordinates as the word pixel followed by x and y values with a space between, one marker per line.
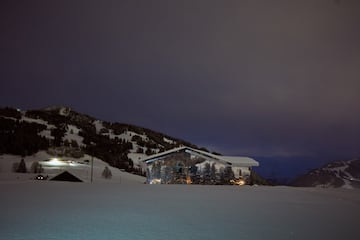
pixel 92 162
pixel 92 168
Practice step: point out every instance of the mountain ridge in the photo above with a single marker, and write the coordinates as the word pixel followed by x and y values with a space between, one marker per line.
pixel 336 174
pixel 65 131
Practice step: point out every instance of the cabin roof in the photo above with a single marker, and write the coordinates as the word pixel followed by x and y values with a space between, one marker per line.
pixel 235 161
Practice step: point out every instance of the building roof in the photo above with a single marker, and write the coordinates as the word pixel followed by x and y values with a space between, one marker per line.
pixel 240 161
pixel 231 160
pixel 66 176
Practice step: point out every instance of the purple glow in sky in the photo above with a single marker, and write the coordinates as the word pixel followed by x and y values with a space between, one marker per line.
pixel 259 78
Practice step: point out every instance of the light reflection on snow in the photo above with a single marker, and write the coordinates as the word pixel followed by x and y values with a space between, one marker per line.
pixel 49 210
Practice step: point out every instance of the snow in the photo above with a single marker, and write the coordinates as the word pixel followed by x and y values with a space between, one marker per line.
pixel 39 121
pixel 46 134
pixel 80 167
pixel 346 176
pixel 64 111
pixel 125 136
pixel 125 208
pixel 342 169
pixel 168 140
pixel 59 210
pixel 98 126
pixel 73 134
pixel 137 158
pixel 10 118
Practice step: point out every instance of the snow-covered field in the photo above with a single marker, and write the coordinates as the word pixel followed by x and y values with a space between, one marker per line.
pixel 124 208
pixel 130 210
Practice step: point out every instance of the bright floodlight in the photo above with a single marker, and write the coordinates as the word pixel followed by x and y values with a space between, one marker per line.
pixel 56 162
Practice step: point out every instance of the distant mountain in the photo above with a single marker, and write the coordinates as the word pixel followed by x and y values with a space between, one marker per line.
pixel 65 132
pixel 336 174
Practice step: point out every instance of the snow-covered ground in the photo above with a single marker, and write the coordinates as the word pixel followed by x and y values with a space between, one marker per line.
pixel 80 167
pixel 58 210
pixel 125 208
pixel 72 134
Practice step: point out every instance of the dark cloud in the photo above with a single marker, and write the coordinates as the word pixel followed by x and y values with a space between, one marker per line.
pixel 260 78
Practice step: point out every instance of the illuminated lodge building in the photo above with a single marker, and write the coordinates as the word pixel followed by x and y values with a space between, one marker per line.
pixel 186 165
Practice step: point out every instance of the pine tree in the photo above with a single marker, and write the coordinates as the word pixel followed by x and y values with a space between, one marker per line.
pixel 22 167
pixel 106 173
pixel 228 174
pixel 213 172
pixel 207 169
pixel 206 172
pixel 36 167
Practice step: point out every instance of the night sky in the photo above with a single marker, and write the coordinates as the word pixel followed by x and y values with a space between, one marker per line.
pixel 275 80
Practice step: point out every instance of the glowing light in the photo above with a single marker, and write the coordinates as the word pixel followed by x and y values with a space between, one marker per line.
pixel 188 180
pixel 56 162
pixel 239 182
pixel 155 181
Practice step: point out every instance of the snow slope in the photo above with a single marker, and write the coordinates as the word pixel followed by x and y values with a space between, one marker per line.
pixel 80 167
pixel 344 174
pixel 59 210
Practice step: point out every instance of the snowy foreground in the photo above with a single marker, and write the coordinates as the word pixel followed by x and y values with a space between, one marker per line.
pixel 131 210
